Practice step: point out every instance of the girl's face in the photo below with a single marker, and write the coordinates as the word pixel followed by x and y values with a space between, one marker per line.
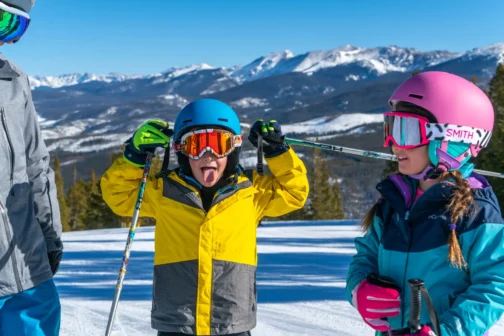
pixel 413 160
pixel 208 169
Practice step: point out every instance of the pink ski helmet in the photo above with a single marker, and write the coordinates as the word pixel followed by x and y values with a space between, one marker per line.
pixel 455 108
pixel 451 99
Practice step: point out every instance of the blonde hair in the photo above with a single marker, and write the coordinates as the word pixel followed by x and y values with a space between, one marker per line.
pixel 367 221
pixel 460 205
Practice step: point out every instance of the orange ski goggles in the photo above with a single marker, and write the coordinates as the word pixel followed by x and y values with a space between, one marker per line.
pixel 218 142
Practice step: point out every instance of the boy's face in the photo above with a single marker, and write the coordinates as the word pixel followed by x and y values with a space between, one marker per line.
pixel 208 169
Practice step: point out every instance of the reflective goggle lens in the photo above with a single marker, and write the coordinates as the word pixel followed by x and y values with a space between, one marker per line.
pixel 197 143
pixel 12 26
pixel 404 131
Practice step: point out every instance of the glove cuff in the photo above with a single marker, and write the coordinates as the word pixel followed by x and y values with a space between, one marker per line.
pixel 274 150
pixel 134 157
pixel 54 245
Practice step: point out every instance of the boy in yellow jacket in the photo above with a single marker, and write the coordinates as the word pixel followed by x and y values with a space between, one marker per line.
pixel 207 211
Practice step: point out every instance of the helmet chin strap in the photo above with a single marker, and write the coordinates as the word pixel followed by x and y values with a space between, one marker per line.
pixel 430 173
pixel 446 163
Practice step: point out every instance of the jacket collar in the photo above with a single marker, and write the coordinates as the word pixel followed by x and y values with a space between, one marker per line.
pixel 400 190
pixel 8 69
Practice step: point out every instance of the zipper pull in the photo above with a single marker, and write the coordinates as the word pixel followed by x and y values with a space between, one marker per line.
pixel 406 215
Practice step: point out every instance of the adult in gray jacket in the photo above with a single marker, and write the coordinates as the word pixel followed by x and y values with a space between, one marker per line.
pixel 30 227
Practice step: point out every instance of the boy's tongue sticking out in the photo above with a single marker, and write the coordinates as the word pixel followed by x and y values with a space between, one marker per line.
pixel 208 169
pixel 209 174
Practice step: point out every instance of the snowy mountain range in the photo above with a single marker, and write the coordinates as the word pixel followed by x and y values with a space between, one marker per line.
pixel 380 60
pixel 74 79
pixel 291 88
pixel 330 95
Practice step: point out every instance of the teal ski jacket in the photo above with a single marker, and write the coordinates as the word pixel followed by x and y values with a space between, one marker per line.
pixel 409 240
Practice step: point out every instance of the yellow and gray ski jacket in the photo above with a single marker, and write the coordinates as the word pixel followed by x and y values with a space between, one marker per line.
pixel 205 262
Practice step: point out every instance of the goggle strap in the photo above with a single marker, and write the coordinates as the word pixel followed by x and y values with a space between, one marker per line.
pixel 454 133
pixel 14 11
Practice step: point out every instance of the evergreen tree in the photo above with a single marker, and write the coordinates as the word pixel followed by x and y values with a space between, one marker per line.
pixel 338 212
pixel 60 188
pixel 98 214
pixel 77 202
pixel 325 198
pixel 492 157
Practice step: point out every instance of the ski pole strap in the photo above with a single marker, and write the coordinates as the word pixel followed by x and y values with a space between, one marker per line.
pixel 166 161
pixel 260 166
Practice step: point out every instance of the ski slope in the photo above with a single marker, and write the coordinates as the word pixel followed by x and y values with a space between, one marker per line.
pixel 301 281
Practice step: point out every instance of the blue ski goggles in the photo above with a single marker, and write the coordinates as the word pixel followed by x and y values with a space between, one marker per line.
pixel 13 23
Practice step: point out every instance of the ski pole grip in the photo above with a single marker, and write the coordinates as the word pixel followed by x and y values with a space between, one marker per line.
pixel 416 286
pixel 260 166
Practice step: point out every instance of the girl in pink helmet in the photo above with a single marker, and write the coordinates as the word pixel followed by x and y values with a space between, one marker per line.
pixel 436 219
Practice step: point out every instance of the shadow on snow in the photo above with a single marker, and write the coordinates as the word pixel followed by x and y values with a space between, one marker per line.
pixel 281 277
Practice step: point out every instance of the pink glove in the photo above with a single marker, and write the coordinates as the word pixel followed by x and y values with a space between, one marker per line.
pixel 374 303
pixel 425 331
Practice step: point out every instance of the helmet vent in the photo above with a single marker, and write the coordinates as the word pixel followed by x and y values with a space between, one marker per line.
pixel 415 96
pixel 186 121
pixel 222 119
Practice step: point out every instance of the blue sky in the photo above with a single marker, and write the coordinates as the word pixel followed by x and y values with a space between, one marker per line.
pixel 147 36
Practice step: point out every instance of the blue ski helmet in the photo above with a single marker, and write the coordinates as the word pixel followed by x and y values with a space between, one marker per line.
pixel 206 112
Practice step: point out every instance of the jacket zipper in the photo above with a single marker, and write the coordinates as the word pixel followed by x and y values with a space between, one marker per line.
pixel 9 238
pixel 406 219
pixel 11 149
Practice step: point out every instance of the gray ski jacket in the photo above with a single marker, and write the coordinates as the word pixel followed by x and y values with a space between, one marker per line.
pixel 30 224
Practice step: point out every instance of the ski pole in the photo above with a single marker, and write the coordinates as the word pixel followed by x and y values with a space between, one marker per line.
pixel 371 154
pixel 129 243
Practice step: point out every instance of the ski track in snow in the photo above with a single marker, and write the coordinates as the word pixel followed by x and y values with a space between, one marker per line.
pixel 301 281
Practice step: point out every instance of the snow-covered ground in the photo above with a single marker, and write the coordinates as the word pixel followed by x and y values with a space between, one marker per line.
pixel 301 281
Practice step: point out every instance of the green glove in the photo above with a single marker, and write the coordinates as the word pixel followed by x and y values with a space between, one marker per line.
pixel 152 134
